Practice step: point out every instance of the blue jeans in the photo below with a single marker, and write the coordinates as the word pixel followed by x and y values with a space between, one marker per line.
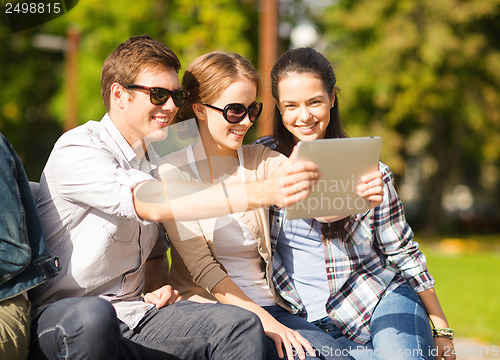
pixel 325 346
pixel 399 328
pixel 87 328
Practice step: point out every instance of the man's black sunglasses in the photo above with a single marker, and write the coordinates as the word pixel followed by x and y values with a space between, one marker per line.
pixel 159 96
pixel 235 113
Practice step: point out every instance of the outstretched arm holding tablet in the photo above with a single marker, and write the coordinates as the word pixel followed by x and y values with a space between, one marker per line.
pixel 165 201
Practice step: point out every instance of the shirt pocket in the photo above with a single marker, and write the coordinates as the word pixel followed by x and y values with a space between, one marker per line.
pixel 121 229
pixel 361 241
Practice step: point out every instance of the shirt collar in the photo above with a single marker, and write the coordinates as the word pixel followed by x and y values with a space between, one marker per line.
pixel 117 136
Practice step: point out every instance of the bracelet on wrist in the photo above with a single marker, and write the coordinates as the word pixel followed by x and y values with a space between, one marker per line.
pixel 442 332
pixel 227 197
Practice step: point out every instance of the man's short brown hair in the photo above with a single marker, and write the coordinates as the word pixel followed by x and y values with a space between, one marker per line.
pixel 126 62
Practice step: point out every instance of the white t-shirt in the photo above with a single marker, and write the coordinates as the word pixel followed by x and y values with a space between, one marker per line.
pixel 236 249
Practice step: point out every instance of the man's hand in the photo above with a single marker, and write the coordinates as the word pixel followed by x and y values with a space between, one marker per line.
pixel 291 183
pixel 162 297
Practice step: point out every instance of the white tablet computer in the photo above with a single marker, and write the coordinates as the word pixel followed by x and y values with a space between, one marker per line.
pixel 342 163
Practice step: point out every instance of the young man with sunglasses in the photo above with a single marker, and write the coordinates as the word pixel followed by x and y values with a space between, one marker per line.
pixel 108 238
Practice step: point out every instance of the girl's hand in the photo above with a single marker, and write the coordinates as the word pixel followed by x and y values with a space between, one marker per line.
pixel 283 336
pixel 445 348
pixel 372 188
pixel 227 292
pixel 162 297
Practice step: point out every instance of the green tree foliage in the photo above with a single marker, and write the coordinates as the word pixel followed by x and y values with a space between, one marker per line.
pixel 425 75
pixel 28 77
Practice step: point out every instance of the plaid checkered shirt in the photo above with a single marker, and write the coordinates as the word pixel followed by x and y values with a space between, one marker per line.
pixel 377 256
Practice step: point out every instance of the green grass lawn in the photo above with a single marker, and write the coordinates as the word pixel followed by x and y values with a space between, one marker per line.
pixel 468 285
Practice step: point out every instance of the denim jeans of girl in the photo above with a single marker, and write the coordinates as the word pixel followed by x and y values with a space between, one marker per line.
pixel 399 327
pixel 326 348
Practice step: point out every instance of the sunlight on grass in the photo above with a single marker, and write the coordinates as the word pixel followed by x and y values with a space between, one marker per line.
pixel 468 287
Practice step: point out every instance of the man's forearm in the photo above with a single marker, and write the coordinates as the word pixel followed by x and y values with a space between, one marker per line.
pixel 183 201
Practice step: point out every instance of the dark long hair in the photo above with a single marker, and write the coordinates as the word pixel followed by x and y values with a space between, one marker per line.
pixel 308 61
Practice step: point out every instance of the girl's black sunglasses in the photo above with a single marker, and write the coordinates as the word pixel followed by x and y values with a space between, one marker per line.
pixel 159 96
pixel 235 113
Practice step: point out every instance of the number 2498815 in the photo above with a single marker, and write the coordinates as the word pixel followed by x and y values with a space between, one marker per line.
pixel 33 8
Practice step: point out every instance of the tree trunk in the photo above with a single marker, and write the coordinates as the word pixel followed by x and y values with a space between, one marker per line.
pixel 445 149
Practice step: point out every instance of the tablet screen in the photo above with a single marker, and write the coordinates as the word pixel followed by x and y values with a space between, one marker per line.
pixel 342 163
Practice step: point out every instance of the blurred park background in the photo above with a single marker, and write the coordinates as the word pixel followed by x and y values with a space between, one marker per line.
pixel 423 74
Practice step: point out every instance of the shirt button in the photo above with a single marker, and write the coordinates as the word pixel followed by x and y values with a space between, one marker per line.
pixel 255 230
pixel 330 269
